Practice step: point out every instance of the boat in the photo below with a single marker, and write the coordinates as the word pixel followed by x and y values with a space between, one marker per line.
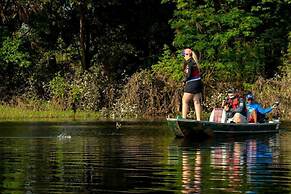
pixel 193 128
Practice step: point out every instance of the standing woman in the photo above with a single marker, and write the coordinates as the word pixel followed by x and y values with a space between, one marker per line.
pixel 192 84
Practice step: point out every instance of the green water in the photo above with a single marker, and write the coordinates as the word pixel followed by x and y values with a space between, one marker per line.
pixel 139 157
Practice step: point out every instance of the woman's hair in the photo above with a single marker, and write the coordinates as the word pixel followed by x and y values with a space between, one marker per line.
pixel 195 58
pixel 193 55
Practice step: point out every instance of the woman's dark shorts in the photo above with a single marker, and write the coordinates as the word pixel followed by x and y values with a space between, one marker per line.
pixel 193 87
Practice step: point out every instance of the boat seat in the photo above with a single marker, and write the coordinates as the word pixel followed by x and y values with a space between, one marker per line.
pixel 218 115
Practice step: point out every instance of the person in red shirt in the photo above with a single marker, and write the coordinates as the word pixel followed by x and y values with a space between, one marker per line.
pixel 234 106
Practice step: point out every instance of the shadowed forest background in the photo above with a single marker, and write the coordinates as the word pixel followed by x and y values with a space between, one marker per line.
pixel 123 58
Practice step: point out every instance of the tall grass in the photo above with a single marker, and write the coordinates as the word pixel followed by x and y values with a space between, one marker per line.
pixel 276 89
pixel 148 94
pixel 17 113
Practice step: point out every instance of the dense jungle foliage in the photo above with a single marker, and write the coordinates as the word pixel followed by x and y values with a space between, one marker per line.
pixel 123 58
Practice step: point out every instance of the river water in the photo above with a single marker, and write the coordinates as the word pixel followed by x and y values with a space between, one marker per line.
pixel 138 157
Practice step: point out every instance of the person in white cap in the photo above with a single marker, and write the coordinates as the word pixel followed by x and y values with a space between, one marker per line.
pixel 234 106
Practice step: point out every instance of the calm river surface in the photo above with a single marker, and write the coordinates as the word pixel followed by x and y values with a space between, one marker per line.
pixel 140 157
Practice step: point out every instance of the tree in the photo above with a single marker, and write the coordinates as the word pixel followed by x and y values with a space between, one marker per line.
pixel 115 38
pixel 13 12
pixel 232 37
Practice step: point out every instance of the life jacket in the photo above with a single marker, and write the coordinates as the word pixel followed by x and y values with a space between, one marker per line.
pixel 195 73
pixel 234 103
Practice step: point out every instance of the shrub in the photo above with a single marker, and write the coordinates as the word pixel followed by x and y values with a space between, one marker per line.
pixel 148 93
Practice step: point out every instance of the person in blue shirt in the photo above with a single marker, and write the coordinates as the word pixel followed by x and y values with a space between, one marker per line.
pixel 255 112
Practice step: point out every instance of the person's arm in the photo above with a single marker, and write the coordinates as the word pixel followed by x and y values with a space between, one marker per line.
pixel 223 103
pixel 262 110
pixel 240 107
pixel 187 70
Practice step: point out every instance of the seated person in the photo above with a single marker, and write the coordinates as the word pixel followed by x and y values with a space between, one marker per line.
pixel 234 106
pixel 256 113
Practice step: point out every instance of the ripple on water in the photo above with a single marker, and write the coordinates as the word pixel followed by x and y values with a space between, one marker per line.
pixel 134 160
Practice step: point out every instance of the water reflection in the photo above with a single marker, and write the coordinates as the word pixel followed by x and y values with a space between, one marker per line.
pixel 234 165
pixel 88 158
pixel 191 178
pixel 73 158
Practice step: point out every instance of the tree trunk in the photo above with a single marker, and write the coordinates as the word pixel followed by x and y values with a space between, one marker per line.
pixel 83 35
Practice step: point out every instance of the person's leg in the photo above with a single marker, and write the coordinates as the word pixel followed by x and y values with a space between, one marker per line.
pixel 185 104
pixel 197 104
pixel 253 117
pixel 239 118
pixel 236 118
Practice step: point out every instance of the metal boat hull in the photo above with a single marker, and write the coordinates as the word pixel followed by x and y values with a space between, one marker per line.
pixel 192 128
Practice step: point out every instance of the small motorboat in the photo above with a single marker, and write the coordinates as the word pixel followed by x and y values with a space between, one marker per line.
pixel 191 128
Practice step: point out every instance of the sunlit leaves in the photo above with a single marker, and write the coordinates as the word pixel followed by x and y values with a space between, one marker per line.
pixel 11 53
pixel 234 34
pixel 169 66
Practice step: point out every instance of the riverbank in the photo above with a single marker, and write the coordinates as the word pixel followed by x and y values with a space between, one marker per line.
pixel 9 113
pixel 17 113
